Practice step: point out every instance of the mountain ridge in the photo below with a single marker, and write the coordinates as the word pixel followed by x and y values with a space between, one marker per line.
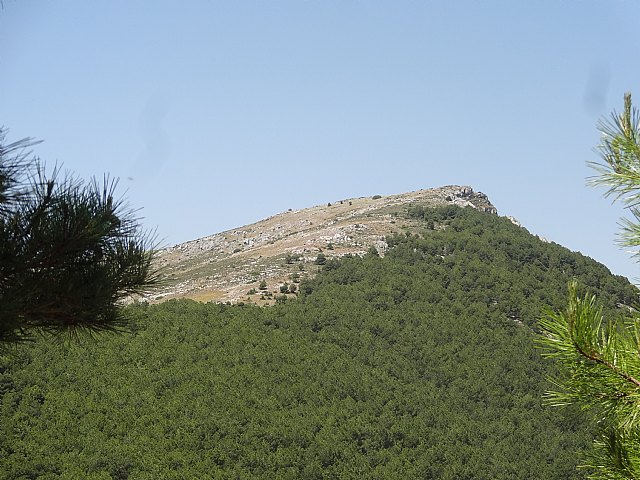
pixel 225 266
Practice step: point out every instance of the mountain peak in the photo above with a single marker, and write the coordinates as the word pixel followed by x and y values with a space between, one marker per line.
pixel 284 248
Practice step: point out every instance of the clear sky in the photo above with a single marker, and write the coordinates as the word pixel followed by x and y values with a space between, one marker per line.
pixel 217 114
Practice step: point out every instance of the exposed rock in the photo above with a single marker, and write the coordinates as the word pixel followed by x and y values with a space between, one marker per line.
pixel 514 221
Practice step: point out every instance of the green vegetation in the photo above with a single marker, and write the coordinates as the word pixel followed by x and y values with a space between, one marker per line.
pixel 598 351
pixel 69 251
pixel 420 364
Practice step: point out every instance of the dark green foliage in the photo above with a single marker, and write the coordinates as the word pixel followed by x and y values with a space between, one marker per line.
pixel 321 259
pixel 417 365
pixel 68 250
pixel 292 258
pixel 525 274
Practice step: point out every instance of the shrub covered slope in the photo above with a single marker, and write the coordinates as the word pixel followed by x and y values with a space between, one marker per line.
pixel 421 364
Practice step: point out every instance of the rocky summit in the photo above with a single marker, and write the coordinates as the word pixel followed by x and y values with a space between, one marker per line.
pixel 254 263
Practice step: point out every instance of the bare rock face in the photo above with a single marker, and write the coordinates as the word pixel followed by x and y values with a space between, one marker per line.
pixel 253 263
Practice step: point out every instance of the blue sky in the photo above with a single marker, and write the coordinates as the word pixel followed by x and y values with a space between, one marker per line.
pixel 217 114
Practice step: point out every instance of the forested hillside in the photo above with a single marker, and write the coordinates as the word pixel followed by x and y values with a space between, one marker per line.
pixel 421 364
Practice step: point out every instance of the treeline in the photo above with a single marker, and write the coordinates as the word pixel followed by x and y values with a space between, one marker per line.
pixel 421 364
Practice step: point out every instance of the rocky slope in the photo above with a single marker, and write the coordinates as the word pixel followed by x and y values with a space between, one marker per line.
pixel 252 263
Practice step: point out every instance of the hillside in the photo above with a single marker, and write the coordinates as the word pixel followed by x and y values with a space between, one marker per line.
pixel 418 364
pixel 224 266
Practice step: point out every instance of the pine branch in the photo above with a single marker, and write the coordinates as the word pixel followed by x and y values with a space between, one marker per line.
pixel 600 356
pixel 69 251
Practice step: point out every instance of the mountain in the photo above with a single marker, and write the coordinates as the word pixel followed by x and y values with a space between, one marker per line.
pixel 224 266
pixel 419 363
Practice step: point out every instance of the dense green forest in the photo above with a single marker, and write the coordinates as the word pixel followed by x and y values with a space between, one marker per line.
pixel 421 364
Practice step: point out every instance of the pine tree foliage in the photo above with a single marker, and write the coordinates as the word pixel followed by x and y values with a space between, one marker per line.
pixel 69 250
pixel 602 360
pixel 601 356
pixel 620 170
